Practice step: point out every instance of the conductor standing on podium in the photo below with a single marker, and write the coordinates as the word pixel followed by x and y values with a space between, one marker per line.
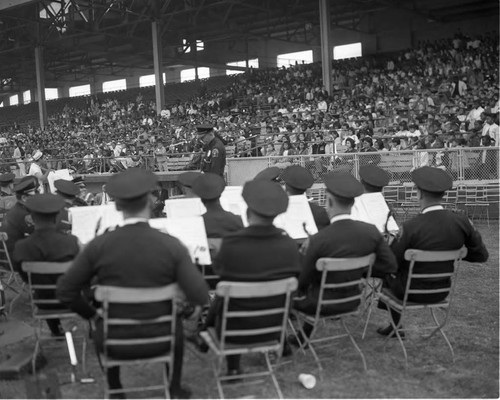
pixel 214 152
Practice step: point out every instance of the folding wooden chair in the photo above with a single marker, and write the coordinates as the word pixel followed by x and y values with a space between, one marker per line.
pixel 411 205
pixel 44 308
pixel 111 295
pixel 223 344
pixel 337 273
pixel 404 306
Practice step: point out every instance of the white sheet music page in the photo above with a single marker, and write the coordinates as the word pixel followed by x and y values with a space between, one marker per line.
pixel 84 222
pixel 297 214
pixel 232 201
pixel 186 207
pixel 91 221
pixel 372 208
pixel 55 176
pixel 191 232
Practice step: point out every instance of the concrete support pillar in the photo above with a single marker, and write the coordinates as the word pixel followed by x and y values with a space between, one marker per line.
pixel 132 82
pixel 217 72
pixel 158 66
pixel 40 86
pixel 326 47
pixel 63 92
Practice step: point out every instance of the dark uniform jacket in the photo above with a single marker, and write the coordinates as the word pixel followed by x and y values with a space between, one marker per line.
pixel 257 254
pixel 7 201
pixel 214 157
pixel 320 216
pixel 17 223
pixel 344 238
pixel 219 222
pixel 45 245
pixel 134 255
pixel 434 229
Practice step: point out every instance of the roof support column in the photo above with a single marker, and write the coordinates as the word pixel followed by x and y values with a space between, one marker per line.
pixel 158 66
pixel 326 48
pixel 40 86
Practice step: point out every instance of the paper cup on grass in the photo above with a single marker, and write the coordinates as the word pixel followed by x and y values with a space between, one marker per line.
pixel 307 380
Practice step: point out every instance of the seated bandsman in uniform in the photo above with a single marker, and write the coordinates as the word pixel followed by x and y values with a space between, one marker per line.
pixel 269 174
pixel 433 229
pixel 17 222
pixel 373 178
pixel 81 200
pixel 46 243
pixel 186 180
pixel 297 180
pixel 68 191
pixel 260 252
pixel 218 222
pixel 343 238
pixel 7 195
pixel 134 255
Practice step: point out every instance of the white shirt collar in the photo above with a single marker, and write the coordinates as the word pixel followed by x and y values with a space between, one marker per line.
pixel 432 208
pixel 340 217
pixel 131 221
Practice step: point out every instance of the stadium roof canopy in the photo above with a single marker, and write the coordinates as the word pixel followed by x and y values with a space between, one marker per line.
pixel 112 38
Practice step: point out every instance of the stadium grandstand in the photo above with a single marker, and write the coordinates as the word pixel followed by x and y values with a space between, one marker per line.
pixel 96 88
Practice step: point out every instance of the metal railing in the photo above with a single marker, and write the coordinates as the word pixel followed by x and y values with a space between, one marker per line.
pixel 464 164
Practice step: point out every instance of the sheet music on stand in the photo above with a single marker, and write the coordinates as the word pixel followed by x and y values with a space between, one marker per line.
pixel 185 207
pixel 55 176
pixel 232 201
pixel 297 214
pixel 191 232
pixel 372 208
pixel 91 221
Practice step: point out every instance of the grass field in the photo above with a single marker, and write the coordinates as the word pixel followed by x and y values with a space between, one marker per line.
pixel 472 328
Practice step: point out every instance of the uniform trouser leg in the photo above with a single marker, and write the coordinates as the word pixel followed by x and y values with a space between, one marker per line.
pixel 233 362
pixel 175 382
pixel 55 326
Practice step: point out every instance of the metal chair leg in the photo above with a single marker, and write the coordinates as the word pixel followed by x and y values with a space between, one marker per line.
pixel 354 343
pixel 439 328
pixel 273 376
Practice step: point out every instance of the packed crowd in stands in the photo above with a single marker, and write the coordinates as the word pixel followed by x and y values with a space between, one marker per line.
pixel 441 94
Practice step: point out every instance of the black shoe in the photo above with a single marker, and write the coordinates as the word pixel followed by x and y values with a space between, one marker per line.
pixel 180 393
pixel 198 342
pixel 117 396
pixel 287 349
pixel 297 341
pixel 388 331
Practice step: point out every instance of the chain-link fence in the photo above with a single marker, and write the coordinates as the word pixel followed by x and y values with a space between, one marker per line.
pixel 464 164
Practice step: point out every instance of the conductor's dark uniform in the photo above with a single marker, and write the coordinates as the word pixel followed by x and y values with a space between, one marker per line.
pixel 134 255
pixel 214 156
pixel 343 238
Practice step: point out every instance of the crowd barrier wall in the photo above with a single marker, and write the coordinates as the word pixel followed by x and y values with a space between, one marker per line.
pixel 466 165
